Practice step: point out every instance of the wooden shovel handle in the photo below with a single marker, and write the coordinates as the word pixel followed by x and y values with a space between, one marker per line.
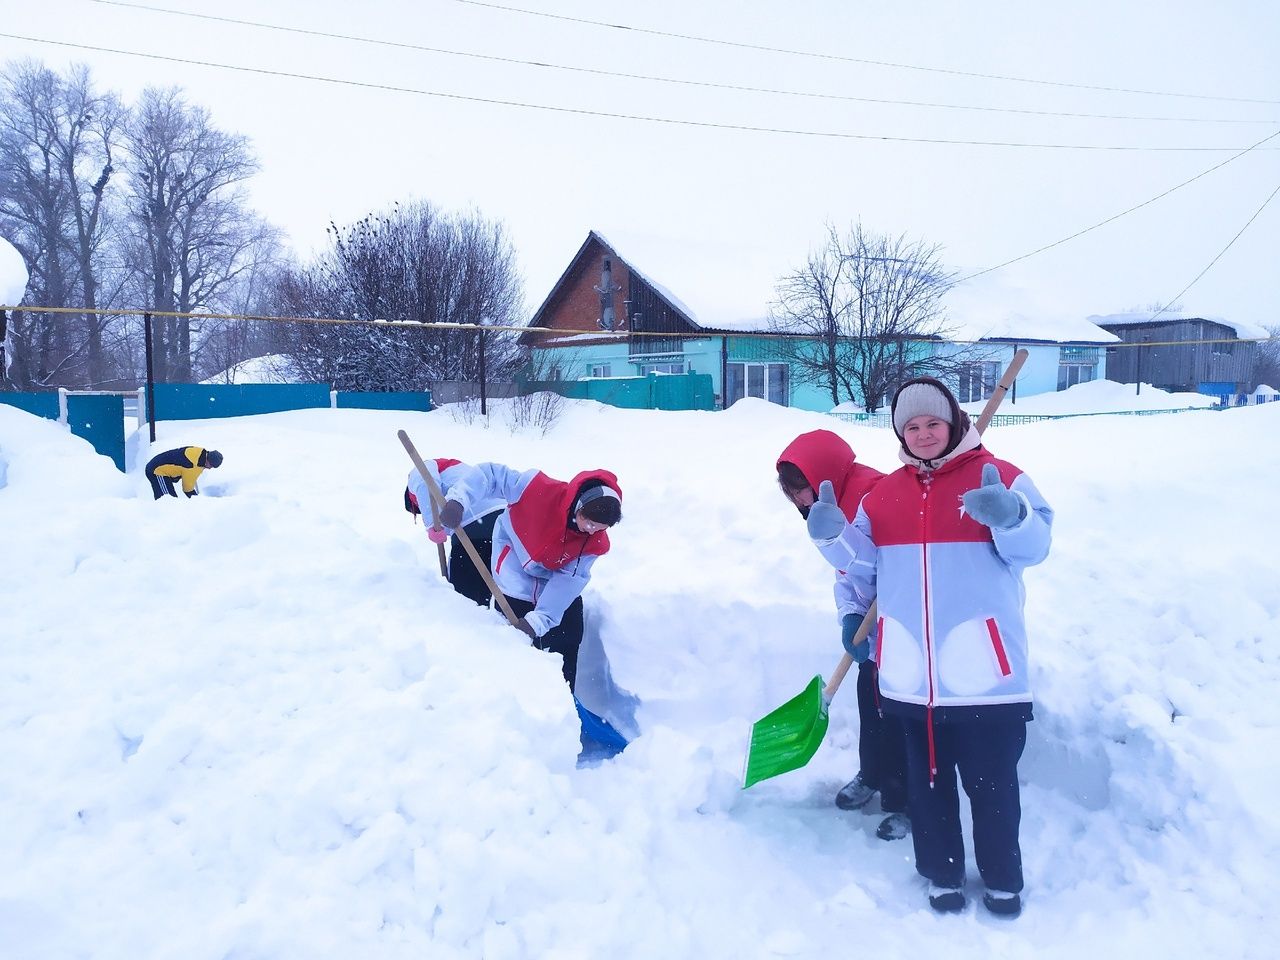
pixel 437 504
pixel 984 420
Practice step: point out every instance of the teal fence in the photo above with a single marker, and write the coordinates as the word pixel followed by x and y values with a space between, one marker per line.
pixel 41 404
pixel 99 418
pixel 657 391
pixel 402 400
pixel 96 417
pixel 195 401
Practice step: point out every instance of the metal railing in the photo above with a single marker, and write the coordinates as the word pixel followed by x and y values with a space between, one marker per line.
pixel 881 418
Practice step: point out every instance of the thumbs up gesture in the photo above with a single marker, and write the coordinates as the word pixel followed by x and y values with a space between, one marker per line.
pixel 993 503
pixel 826 520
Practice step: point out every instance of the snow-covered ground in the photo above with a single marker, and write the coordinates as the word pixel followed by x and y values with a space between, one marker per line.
pixel 257 724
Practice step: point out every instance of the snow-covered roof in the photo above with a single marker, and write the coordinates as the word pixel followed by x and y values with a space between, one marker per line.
pixel 1263 389
pixel 981 325
pixel 13 274
pixel 1245 331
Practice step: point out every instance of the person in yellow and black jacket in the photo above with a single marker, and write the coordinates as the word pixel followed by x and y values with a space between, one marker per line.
pixel 164 470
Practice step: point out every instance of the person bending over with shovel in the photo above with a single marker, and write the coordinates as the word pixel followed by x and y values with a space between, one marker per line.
pixel 808 461
pixel 477 522
pixel 950 639
pixel 544 545
pixel 181 465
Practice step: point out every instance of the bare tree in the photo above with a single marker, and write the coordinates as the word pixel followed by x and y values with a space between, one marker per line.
pixel 195 234
pixel 35 203
pixel 865 305
pixel 86 136
pixel 413 264
pixel 58 135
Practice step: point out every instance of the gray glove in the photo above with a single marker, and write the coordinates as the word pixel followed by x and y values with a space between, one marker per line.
pixel 993 503
pixel 525 627
pixel 451 515
pixel 848 630
pixel 826 520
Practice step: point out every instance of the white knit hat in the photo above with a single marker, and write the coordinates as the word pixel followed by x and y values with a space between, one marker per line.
pixel 919 399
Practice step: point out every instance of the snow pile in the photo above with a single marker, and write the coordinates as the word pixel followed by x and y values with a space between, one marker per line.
pixel 13 274
pixel 272 368
pixel 1100 396
pixel 258 724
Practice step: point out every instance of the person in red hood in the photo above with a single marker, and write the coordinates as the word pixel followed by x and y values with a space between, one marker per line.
pixel 809 461
pixel 544 545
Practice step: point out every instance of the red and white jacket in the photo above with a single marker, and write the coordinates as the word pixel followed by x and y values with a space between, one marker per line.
pixel 538 555
pixel 950 630
pixel 448 474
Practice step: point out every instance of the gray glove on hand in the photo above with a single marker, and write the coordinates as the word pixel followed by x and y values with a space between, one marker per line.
pixel 451 515
pixel 826 520
pixel 526 628
pixel 993 503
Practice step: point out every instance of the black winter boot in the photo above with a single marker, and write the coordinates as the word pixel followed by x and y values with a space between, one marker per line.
pixel 855 794
pixel 946 899
pixel 1002 903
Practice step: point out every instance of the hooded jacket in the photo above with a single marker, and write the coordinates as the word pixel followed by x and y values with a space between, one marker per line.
pixel 822 455
pixel 538 555
pixel 182 463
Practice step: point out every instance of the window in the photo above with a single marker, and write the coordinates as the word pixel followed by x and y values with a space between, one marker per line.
pixel 977 381
pixel 768 381
pixel 668 367
pixel 600 370
pixel 1069 374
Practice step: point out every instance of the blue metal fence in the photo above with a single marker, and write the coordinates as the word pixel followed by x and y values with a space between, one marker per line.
pixel 96 417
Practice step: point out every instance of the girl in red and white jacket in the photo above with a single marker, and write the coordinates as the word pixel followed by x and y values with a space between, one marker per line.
pixel 941 544
pixel 544 545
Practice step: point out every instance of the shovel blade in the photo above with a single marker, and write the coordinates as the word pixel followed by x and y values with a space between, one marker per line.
pixel 599 729
pixel 788 737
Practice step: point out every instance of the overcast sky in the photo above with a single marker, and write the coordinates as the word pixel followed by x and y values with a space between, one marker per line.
pixel 717 214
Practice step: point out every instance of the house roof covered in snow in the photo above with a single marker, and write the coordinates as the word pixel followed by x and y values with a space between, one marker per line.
pixel 1245 331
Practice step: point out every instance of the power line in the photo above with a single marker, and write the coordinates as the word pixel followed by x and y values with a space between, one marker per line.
pixel 1256 213
pixel 1111 219
pixel 670 121
pixel 873 63
pixel 706 84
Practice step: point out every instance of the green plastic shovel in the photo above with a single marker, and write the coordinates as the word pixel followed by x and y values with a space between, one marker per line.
pixel 787 738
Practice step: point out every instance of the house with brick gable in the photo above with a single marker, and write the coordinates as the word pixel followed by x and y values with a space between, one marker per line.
pixel 609 317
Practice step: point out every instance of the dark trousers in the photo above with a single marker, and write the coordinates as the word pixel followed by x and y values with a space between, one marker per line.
pixel 882 750
pixel 564 639
pixel 163 486
pixel 464 576
pixel 986 754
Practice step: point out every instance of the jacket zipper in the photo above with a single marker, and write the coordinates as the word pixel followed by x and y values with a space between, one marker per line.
pixel 925 482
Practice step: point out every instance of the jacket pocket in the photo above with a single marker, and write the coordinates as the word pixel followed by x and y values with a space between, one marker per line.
pixel 497 567
pixel 972 658
pixel 899 659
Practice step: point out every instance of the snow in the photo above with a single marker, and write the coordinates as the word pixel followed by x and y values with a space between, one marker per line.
pixel 13 275
pixel 1263 388
pixel 272 368
pixel 984 324
pixel 1100 396
pixel 258 724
